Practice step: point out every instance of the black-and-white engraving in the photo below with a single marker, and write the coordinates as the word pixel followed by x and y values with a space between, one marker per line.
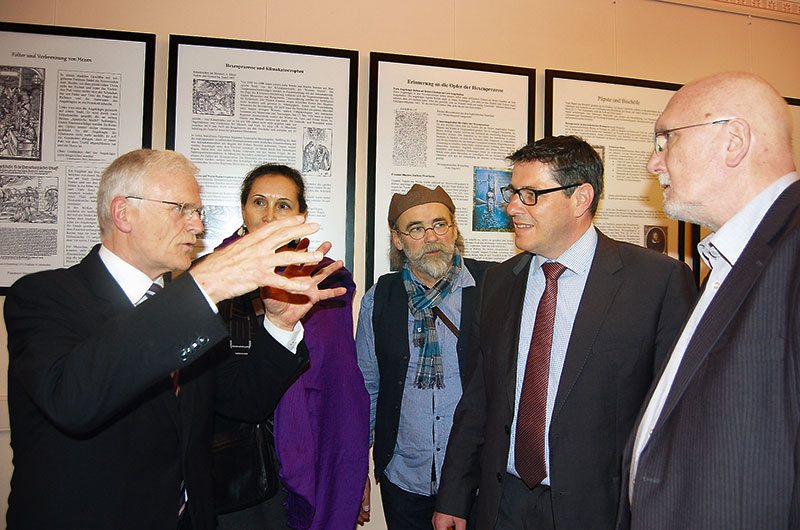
pixel 28 200
pixel 213 97
pixel 410 139
pixel 317 147
pixel 21 97
pixel 220 221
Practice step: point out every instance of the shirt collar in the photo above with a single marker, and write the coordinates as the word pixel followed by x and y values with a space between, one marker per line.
pixel 729 241
pixel 132 281
pixel 578 257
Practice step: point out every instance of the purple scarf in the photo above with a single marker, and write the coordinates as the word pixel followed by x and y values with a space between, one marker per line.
pixel 322 421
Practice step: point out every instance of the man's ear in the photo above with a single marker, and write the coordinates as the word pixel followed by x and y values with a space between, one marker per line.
pixel 738 131
pixel 583 197
pixel 120 214
pixel 396 240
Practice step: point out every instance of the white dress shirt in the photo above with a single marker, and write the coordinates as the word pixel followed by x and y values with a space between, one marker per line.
pixel 720 250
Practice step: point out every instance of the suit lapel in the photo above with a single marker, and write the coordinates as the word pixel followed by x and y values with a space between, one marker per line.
pixel 734 290
pixel 598 294
pixel 113 300
pixel 508 332
pixel 105 289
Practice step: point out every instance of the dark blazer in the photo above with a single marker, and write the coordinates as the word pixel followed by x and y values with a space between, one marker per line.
pixel 100 441
pixel 390 325
pixel 725 452
pixel 632 307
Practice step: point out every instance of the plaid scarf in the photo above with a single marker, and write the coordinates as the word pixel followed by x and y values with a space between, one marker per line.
pixel 421 302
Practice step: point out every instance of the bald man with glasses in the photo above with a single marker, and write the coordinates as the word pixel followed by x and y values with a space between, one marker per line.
pixel 717 444
pixel 567 337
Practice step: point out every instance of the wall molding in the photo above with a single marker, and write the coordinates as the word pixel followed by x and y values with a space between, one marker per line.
pixel 785 10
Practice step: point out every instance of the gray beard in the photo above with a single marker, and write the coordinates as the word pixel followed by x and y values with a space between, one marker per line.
pixel 433 266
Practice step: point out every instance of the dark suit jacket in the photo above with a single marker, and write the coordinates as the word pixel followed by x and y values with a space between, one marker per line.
pixel 632 307
pixel 100 440
pixel 724 453
pixel 390 325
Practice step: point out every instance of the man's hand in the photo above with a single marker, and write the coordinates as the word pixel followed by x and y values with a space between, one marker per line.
pixel 285 309
pixel 363 513
pixel 250 262
pixel 442 521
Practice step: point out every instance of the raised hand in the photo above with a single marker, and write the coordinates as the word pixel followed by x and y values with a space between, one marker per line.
pixel 284 308
pixel 250 262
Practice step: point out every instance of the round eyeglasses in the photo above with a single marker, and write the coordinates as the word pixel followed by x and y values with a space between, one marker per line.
pixel 530 196
pixel 439 228
pixel 183 208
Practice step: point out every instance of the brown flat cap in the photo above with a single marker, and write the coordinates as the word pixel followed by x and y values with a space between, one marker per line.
pixel 417 195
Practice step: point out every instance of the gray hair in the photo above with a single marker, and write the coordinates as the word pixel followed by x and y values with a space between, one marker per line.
pixel 127 174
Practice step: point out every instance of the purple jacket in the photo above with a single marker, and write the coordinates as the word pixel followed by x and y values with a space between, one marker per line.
pixel 322 421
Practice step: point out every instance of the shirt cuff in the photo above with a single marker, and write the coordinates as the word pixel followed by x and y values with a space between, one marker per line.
pixel 211 303
pixel 287 339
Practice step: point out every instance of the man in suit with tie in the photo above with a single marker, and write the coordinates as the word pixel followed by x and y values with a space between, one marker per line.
pixel 718 443
pixel 113 385
pixel 568 336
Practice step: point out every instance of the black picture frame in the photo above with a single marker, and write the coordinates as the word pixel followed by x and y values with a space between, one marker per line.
pixel 378 58
pixel 97 41
pixel 297 53
pixel 609 83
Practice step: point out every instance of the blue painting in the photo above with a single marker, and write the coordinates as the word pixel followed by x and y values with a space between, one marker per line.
pixel 489 208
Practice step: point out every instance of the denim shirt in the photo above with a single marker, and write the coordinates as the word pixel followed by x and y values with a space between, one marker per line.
pixel 426 416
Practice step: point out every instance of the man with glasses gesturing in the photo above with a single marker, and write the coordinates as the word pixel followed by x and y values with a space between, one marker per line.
pixel 567 337
pixel 113 377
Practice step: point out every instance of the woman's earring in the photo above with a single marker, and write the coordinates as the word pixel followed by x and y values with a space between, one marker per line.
pixel 242 230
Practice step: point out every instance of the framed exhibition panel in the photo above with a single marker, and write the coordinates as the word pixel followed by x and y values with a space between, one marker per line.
pixel 71 101
pixel 616 115
pixel 233 105
pixel 449 123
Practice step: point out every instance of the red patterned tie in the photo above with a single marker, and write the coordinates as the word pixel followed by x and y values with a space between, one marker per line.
pixel 532 413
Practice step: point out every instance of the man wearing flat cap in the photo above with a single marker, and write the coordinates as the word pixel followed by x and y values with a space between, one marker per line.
pixel 412 353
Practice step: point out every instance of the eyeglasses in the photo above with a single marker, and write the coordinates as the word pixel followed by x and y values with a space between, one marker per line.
pixel 183 208
pixel 660 138
pixel 439 228
pixel 530 196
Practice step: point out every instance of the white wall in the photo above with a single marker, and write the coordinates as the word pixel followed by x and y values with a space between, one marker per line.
pixel 645 39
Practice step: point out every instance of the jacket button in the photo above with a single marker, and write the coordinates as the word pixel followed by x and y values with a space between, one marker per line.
pixel 508 429
pixel 499 477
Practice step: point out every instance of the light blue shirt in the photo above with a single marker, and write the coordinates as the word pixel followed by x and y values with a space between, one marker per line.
pixel 426 415
pixel 578 261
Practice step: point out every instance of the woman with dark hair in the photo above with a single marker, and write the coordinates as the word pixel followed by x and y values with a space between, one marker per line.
pixel 321 422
